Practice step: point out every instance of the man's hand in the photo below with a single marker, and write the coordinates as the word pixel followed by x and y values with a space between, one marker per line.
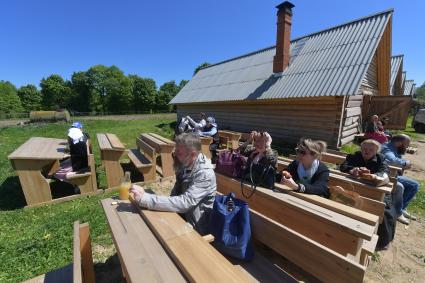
pixel 355 171
pixel 364 170
pixel 408 165
pixel 137 192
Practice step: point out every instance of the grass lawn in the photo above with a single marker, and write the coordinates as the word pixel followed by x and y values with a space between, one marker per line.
pixel 34 241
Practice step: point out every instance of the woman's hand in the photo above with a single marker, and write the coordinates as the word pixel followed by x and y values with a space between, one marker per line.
pixel 137 192
pixel 289 183
pixel 252 136
pixel 355 171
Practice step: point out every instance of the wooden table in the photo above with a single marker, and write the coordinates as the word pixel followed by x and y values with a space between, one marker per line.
pixel 111 150
pixel 232 137
pixel 156 246
pixel 165 149
pixel 35 156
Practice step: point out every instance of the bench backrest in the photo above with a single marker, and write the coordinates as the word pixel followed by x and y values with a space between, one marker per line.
pixel 338 232
pixel 83 270
pixel 152 141
pixel 103 141
pixel 147 150
pixel 115 142
pixel 92 164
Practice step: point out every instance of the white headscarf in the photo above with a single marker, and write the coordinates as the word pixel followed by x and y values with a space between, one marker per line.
pixel 306 175
pixel 76 135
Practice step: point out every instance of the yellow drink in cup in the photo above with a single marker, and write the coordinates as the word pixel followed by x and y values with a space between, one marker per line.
pixel 125 187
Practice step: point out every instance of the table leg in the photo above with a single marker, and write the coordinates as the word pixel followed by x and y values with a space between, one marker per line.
pixel 35 187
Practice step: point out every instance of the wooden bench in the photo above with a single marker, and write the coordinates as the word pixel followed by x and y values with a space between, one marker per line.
pixel 368 204
pixel 81 269
pixel 86 181
pixel 338 232
pixel 111 150
pixel 162 247
pixel 230 137
pixel 144 159
pixel 298 246
pixel 164 147
pixel 338 157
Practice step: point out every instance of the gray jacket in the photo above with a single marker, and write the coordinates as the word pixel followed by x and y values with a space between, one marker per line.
pixel 193 195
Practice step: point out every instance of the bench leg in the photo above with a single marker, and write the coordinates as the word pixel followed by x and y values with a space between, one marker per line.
pixel 113 169
pixel 86 254
pixel 149 174
pixel 167 164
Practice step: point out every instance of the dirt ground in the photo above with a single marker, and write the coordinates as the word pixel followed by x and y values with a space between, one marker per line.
pixel 405 260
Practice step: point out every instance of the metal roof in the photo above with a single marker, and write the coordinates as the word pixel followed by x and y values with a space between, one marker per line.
pixel 331 62
pixel 403 77
pixel 409 86
pixel 396 62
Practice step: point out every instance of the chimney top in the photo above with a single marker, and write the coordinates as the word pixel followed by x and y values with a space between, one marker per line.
pixel 286 7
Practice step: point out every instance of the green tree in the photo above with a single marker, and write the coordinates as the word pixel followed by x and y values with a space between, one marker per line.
pixel 182 84
pixel 144 93
pixel 80 100
pixel 56 92
pixel 30 97
pixel 9 100
pixel 203 65
pixel 420 92
pixel 166 92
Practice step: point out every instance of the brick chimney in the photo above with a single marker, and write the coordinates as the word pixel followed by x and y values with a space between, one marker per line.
pixel 283 37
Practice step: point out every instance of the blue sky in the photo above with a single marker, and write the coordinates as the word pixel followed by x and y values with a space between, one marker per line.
pixel 166 40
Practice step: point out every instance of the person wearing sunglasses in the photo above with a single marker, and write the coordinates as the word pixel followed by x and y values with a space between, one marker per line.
pixel 307 174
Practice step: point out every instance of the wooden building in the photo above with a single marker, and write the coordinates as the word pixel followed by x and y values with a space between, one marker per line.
pixel 321 85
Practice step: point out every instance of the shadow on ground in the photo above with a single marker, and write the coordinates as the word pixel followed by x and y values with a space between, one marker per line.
pixel 109 271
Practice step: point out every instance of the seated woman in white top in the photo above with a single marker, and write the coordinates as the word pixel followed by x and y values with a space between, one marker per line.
pixel 198 127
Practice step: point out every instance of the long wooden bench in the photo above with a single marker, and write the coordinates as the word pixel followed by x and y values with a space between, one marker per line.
pixel 338 232
pixel 162 247
pixel 338 157
pixel 315 258
pixel 144 159
pixel 370 205
pixel 81 269
pixel 164 147
pixel 111 150
pixel 230 137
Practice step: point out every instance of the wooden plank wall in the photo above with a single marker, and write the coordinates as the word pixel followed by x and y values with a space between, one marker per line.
pixel 395 108
pixel 286 120
pixel 383 61
pixel 352 119
pixel 369 83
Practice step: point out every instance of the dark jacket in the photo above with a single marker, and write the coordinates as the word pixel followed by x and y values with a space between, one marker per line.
pixel 270 158
pixel 377 165
pixel 319 181
pixel 79 157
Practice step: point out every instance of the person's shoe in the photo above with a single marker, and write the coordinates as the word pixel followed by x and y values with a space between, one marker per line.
pixel 403 220
pixel 408 215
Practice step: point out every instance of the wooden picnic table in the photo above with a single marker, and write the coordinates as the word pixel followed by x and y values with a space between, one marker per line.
pixel 156 246
pixel 111 150
pixel 232 137
pixel 164 147
pixel 35 156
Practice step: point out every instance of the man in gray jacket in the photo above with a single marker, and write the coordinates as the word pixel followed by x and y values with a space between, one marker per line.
pixel 195 188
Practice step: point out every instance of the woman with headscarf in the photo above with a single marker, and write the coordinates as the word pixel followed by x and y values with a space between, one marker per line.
pixel 307 174
pixel 78 161
pixel 262 159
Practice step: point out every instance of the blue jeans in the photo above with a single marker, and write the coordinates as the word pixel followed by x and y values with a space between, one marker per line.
pixel 411 187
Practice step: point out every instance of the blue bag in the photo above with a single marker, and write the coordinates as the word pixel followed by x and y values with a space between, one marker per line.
pixel 230 226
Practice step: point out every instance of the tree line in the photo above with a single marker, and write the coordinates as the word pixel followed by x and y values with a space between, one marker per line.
pixel 100 89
